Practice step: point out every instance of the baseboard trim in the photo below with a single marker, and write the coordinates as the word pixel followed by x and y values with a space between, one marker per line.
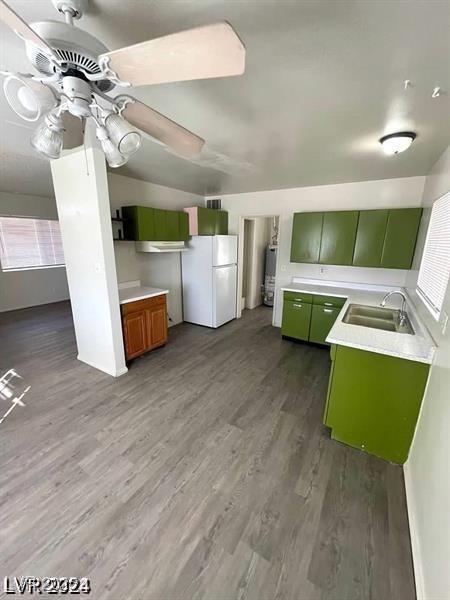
pixel 413 532
pixel 116 373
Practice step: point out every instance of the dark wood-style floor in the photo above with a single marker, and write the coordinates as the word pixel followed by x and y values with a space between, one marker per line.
pixel 204 472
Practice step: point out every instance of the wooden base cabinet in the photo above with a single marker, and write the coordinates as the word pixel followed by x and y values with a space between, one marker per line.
pixel 144 324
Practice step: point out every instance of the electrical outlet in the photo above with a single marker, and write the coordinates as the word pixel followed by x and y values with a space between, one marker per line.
pixel 283 268
pixel 322 270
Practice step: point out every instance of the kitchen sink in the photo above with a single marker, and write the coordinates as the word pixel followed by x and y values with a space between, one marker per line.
pixel 387 319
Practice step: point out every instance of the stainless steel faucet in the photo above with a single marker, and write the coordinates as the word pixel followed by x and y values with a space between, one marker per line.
pixel 402 310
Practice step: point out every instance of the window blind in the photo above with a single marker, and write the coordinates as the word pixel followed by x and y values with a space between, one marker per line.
pixel 27 243
pixel 434 270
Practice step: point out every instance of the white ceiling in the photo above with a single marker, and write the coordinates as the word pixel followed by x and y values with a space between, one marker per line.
pixel 324 80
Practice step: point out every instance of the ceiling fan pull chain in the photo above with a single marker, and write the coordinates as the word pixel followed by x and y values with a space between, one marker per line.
pixel 109 73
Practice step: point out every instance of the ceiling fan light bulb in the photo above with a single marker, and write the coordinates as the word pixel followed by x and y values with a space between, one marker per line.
pixel 113 157
pixel 395 143
pixel 127 140
pixel 29 99
pixel 48 137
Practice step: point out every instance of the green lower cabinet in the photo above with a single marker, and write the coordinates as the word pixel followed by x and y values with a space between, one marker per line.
pixel 296 320
pixel 322 320
pixel 374 401
pixel 309 317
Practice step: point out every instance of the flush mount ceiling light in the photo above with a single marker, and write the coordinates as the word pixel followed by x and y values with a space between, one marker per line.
pixel 76 72
pixel 394 143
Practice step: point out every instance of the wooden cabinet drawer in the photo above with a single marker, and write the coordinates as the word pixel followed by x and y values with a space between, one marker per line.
pixel 331 301
pixel 137 305
pixel 298 297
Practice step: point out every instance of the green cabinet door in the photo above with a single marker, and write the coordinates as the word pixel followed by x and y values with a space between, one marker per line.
pixel 296 320
pixel 338 237
pixel 138 223
pixel 306 235
pixel 206 221
pixel 370 238
pixel 172 226
pixel 374 401
pixel 400 239
pixel 322 320
pixel 159 225
pixel 183 225
pixel 221 222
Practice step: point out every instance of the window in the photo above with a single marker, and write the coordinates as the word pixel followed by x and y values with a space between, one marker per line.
pixel 29 243
pixel 435 266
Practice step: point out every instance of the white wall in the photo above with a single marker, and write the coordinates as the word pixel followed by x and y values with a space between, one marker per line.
pixel 19 289
pixel 386 193
pixel 160 270
pixel 81 189
pixel 427 472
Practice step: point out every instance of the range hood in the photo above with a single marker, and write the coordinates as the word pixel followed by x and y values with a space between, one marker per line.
pixel 161 246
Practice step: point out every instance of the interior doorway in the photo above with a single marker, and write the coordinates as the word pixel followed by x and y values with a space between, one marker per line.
pixel 258 246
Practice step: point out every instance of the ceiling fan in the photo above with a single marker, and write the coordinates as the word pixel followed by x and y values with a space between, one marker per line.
pixel 76 73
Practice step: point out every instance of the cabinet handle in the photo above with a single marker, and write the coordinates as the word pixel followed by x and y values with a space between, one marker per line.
pixel 298 305
pixel 298 299
pixel 328 304
pixel 328 310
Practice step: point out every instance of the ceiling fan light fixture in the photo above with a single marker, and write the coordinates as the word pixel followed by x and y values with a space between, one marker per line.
pixel 127 139
pixel 29 99
pixel 112 154
pixel 48 137
pixel 395 143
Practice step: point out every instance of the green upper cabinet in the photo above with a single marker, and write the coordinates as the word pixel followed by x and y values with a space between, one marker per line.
pixel 366 238
pixel 306 236
pixel 183 225
pixel 142 223
pixel 138 222
pixel 206 221
pixel 221 222
pixel 338 237
pixel 172 226
pixel 370 238
pixel 400 238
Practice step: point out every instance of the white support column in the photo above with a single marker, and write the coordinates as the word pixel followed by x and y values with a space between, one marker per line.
pixel 82 199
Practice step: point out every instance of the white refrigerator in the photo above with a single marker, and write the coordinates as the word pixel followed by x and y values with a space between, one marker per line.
pixel 209 273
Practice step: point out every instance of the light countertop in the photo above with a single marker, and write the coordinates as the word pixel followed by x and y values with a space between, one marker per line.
pixel 419 347
pixel 139 292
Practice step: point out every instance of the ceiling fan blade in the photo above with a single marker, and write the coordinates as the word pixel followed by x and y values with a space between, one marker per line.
pixel 23 30
pixel 200 53
pixel 73 131
pixel 158 126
